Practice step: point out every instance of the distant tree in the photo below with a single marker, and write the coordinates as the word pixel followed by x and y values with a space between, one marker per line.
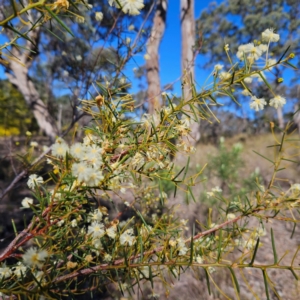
pixel 50 59
pixel 187 9
pixel 15 116
pixel 187 19
pixel 236 22
pixel 152 62
pixel 17 70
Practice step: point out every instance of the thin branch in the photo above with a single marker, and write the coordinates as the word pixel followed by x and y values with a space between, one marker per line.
pixel 118 262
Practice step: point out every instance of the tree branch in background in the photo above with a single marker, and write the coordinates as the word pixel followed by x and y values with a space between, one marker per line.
pixel 17 72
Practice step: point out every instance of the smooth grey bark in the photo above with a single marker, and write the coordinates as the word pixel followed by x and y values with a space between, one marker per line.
pixel 152 64
pixel 280 118
pixel 187 43
pixel 187 56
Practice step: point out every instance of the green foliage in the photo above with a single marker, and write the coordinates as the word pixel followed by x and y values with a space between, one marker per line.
pixel 15 116
pixel 227 166
pixel 227 163
pixel 236 22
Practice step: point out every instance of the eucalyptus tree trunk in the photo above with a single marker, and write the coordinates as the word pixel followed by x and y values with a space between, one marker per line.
pixel 17 72
pixel 280 118
pixel 19 77
pixel 279 111
pixel 187 57
pixel 187 43
pixel 152 63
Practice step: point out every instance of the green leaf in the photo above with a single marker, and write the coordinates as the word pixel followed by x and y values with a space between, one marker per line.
pixel 143 220
pixel 192 245
pixel 171 146
pixel 25 48
pixel 102 88
pixel 13 5
pixel 220 246
pixel 186 168
pixel 294 228
pixel 125 257
pixel 173 179
pixel 234 280
pixel 274 247
pixel 175 190
pixel 173 273
pixel 191 193
pixel 207 281
pixel 194 112
pixel 155 132
pixel 215 81
pixel 141 247
pixel 245 62
pixel 37 281
pixel 290 160
pixel 280 59
pixel 53 34
pixel 59 20
pixel 282 141
pixel 294 274
pixel 19 33
pixel 232 78
pixel 14 227
pixel 151 276
pixel 254 253
pixel 291 65
pixel 213 98
pixel 75 6
pixel 229 94
pixel 264 157
pixel 265 81
pixel 119 3
pixel 119 282
pixel 266 283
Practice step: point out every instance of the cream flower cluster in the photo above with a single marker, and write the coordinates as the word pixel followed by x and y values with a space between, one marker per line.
pixel 131 7
pixel 97 230
pixel 259 103
pixel 179 245
pixel 269 36
pixel 252 52
pixel 87 167
pixel 33 258
pixel 127 238
pixel 34 181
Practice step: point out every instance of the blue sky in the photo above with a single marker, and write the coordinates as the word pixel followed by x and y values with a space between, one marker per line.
pixel 170 51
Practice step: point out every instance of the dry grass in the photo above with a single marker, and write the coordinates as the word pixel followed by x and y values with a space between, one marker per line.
pixel 191 287
pixel 260 144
